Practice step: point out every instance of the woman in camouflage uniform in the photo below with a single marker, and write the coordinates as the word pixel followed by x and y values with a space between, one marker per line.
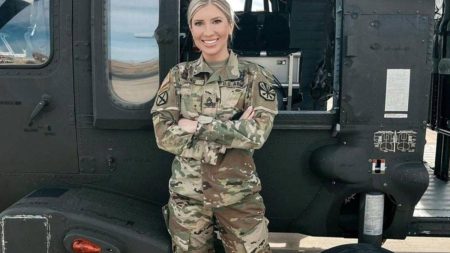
pixel 195 117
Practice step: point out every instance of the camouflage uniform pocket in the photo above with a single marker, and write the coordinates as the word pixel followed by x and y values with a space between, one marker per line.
pixel 191 101
pixel 181 237
pixel 232 98
pixel 180 241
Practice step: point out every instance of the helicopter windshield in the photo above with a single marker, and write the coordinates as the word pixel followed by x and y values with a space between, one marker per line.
pixel 24 32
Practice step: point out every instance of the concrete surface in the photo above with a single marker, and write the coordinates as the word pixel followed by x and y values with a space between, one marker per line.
pixel 290 243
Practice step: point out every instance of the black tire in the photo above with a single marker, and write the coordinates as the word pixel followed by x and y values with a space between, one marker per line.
pixel 356 248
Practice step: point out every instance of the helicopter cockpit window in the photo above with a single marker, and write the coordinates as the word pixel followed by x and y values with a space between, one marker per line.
pixel 24 32
pixel 237 5
pixel 299 51
pixel 438 9
pixel 133 53
pixel 258 5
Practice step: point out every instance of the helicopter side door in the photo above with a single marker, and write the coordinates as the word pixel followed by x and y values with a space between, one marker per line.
pixel 36 90
pixel 133 48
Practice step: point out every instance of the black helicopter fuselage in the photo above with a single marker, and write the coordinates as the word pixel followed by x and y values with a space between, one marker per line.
pixel 78 154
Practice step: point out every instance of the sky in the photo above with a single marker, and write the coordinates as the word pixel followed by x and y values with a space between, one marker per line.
pixel 132 26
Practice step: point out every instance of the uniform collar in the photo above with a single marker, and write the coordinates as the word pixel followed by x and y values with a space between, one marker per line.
pixel 231 70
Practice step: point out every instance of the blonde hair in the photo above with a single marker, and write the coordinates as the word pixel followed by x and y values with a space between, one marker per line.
pixel 222 5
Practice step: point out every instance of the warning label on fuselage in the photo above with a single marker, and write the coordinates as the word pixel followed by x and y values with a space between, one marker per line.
pixel 397 90
pixel 395 141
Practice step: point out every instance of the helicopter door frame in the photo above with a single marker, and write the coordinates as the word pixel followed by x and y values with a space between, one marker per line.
pixel 439 113
pixel 108 112
pixel 37 101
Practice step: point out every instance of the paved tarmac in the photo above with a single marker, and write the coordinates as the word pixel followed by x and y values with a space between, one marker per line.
pixel 290 243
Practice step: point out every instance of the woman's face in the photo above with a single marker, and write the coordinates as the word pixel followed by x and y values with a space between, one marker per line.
pixel 210 30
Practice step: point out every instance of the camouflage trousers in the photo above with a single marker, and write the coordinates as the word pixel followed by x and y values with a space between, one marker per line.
pixel 242 226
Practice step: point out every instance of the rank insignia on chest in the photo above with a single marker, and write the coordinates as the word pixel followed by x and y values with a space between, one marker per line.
pixel 266 91
pixel 162 98
pixel 209 100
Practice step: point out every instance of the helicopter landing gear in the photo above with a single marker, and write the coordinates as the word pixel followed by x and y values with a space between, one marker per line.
pixel 371 215
pixel 371 227
pixel 357 248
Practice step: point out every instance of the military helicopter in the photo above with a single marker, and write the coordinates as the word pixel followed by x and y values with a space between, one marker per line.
pixel 359 82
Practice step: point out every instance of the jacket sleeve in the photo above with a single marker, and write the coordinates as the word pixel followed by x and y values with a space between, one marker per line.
pixel 169 136
pixel 165 114
pixel 246 134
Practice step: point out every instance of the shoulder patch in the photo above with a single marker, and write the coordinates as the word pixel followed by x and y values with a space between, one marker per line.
pixel 266 91
pixel 162 98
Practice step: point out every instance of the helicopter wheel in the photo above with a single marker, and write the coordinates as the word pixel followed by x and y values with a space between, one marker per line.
pixel 357 248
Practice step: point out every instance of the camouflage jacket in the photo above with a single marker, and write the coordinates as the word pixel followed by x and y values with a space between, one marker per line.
pixel 215 164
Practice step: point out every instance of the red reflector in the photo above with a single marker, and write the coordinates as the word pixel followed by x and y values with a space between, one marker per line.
pixel 85 246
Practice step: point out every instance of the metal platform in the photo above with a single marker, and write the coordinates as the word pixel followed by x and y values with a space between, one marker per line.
pixel 435 203
pixel 432 213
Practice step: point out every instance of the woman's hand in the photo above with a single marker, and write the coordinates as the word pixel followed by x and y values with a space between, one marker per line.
pixel 248 114
pixel 188 125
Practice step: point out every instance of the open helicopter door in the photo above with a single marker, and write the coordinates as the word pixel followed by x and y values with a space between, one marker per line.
pixel 36 92
pixel 431 213
pixel 439 114
pixel 133 49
